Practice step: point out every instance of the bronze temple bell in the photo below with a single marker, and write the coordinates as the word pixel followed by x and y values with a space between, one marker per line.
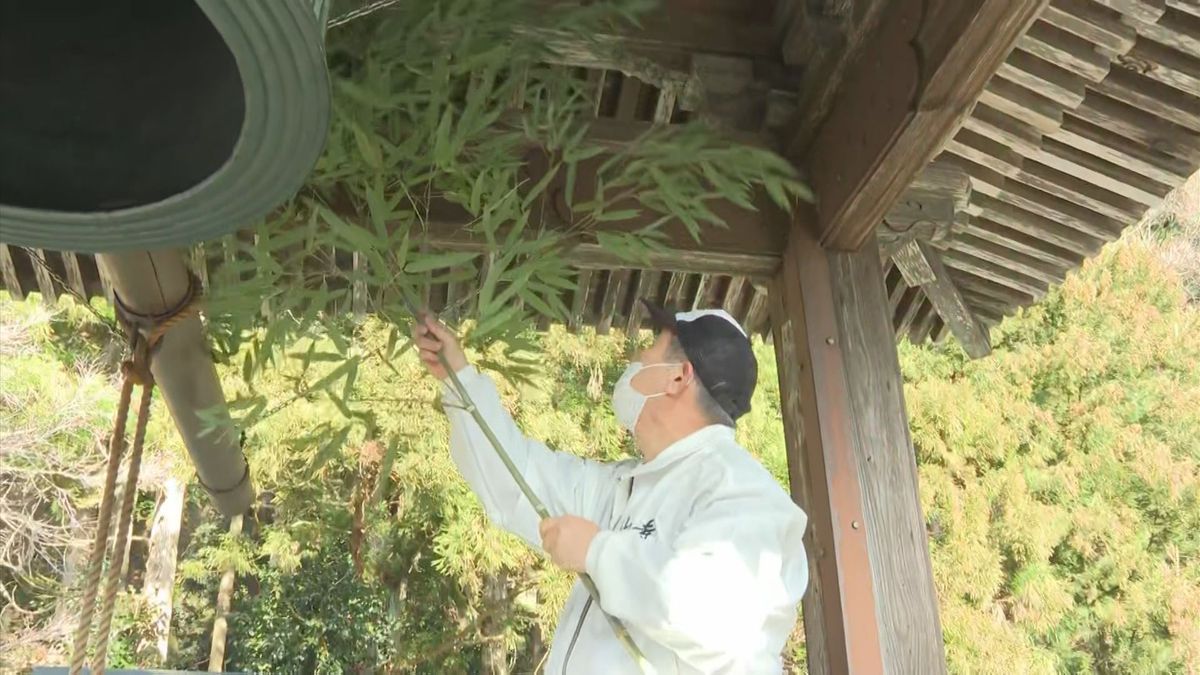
pixel 133 128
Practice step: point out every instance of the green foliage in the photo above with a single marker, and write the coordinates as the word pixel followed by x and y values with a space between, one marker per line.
pixel 1060 478
pixel 450 111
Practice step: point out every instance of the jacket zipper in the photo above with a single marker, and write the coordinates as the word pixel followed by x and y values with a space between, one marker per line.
pixel 587 605
pixel 579 627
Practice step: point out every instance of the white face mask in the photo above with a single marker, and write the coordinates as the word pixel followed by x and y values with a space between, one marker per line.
pixel 628 402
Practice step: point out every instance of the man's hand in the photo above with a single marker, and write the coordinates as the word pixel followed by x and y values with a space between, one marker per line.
pixel 567 539
pixel 431 337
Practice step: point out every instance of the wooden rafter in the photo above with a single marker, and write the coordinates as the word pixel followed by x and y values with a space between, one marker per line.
pixel 908 92
pixel 922 266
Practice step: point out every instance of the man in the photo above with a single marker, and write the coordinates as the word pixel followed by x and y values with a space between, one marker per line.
pixel 695 548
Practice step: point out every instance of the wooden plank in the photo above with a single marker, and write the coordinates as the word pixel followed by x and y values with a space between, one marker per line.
pixel 1115 148
pixel 614 293
pixel 733 295
pixel 1189 6
pixel 999 274
pixel 105 281
pixel 1006 296
pixel 1011 132
pixel 628 98
pixel 907 94
pixel 8 270
pixel 923 322
pixel 1043 77
pixel 41 271
pixel 825 38
pixel 1010 259
pixel 1023 104
pixel 664 107
pixel 917 260
pixel 198 264
pixel 999 158
pixel 756 314
pixel 910 301
pixel 1141 126
pixel 579 303
pixel 1146 10
pixel 1101 172
pixel 700 297
pixel 1033 225
pixel 1166 65
pixel 1152 96
pixel 1177 28
pixel 74 275
pixel 1066 50
pixel 647 287
pixel 1084 220
pixel 675 287
pixel 1095 23
pixel 1016 240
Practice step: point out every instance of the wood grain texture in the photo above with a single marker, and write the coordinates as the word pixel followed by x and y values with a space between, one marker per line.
pixel 918 260
pixel 41 272
pixel 74 274
pixel 1066 50
pixel 8 270
pixel 900 568
pixel 896 110
pixel 841 628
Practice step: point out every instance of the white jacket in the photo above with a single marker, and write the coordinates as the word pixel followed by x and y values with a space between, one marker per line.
pixel 699 553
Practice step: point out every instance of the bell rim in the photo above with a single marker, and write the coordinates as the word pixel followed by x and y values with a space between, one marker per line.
pixel 279 51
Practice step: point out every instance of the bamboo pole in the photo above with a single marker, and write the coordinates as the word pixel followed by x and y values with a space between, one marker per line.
pixel 539 507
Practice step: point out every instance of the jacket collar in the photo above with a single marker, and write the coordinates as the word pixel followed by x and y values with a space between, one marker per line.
pixel 685 447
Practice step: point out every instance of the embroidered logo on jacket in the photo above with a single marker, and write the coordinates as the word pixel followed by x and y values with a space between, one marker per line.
pixel 645 530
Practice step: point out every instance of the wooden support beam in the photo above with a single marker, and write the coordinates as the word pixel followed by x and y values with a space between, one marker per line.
pixel 41 271
pixel 648 281
pixel 74 275
pixel 733 295
pixel 910 301
pixel 916 81
pixel 614 294
pixel 920 263
pixel 675 290
pixel 579 303
pixel 872 606
pixel 757 313
pixel 12 281
pixel 700 297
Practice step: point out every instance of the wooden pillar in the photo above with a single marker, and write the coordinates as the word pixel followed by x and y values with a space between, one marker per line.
pixel 871 607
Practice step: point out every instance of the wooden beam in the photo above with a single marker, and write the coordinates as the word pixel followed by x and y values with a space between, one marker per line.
pixel 917 260
pixel 74 275
pixel 910 301
pixel 757 313
pixel 41 271
pixel 916 81
pixel 648 281
pixel 579 303
pixel 872 606
pixel 614 294
pixel 733 295
pixel 12 281
pixel 675 289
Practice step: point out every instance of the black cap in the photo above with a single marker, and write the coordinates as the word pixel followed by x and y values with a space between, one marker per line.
pixel 719 351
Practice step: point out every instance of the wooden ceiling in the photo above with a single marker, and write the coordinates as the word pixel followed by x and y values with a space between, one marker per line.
pixel 1092 119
